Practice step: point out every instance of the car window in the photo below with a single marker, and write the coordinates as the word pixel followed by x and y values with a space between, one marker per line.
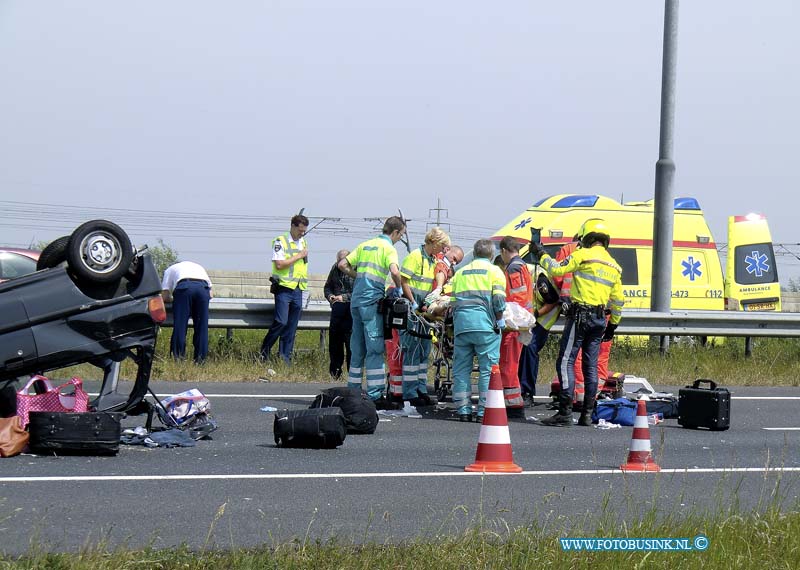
pixel 14 265
pixel 626 258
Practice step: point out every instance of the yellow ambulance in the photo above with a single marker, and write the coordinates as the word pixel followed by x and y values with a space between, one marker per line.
pixel 751 282
pixel 697 278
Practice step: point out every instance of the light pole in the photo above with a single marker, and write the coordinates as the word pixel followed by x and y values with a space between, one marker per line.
pixel 663 215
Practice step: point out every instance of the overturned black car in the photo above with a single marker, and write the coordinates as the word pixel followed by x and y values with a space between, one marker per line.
pixel 95 299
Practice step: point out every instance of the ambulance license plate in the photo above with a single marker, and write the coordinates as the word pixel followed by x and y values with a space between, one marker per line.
pixel 760 307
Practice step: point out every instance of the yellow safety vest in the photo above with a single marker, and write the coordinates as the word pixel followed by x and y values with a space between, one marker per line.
pixel 596 278
pixel 371 260
pixel 296 275
pixel 547 321
pixel 480 291
pixel 418 268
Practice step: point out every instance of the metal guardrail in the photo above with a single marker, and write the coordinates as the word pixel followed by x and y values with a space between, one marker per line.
pixel 257 314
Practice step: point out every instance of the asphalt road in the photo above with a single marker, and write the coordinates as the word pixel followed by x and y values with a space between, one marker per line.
pixel 405 481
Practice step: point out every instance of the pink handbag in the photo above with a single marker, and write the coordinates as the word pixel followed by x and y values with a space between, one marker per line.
pixel 52 400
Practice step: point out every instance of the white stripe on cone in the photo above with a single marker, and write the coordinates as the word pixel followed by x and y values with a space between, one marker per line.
pixel 640 445
pixel 495 399
pixel 641 422
pixel 494 434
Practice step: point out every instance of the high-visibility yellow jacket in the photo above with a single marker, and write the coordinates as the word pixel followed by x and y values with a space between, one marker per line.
pixel 548 319
pixel 371 260
pixel 295 275
pixel 596 278
pixel 418 268
pixel 479 291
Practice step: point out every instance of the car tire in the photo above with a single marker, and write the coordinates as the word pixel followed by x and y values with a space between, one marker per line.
pixel 99 251
pixel 54 254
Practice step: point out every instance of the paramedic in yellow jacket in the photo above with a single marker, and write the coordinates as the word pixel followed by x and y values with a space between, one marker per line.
pixel 479 298
pixel 596 287
pixel 417 275
pixel 370 264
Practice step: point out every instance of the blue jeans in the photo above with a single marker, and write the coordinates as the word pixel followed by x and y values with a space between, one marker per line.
pixel 288 306
pixel 580 332
pixel 529 360
pixel 190 299
pixel 366 350
pixel 484 345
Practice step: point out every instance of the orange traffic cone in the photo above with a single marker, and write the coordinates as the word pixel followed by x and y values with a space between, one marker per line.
pixel 639 456
pixel 494 453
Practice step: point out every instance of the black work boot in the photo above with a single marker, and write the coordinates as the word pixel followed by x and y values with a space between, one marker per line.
pixel 562 418
pixel 586 414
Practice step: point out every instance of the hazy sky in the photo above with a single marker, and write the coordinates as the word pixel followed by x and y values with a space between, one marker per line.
pixel 208 124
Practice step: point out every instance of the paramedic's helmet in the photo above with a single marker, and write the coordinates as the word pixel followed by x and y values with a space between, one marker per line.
pixel 594 230
pixel 546 289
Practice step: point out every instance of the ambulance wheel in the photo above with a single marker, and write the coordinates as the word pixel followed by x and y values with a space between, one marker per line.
pixel 99 251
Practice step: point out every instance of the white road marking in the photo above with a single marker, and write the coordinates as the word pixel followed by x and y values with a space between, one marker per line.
pixel 262 476
pixel 783 429
pixel 765 397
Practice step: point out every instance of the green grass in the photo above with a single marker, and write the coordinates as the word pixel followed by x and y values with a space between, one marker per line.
pixel 768 539
pixel 775 362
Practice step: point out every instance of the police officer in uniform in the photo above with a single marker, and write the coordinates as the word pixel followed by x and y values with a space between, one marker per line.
pixel 188 286
pixel 547 308
pixel 290 279
pixel 596 287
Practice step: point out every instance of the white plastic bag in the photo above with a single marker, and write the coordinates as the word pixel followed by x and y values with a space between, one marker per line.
pixel 183 406
pixel 517 317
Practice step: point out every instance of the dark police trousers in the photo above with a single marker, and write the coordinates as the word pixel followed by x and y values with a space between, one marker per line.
pixel 288 306
pixel 582 330
pixel 339 337
pixel 190 298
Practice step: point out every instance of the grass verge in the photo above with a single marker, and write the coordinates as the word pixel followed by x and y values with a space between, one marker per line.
pixel 775 361
pixel 770 539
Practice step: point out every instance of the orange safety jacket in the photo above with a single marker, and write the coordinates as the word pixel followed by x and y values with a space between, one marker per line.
pixel 564 283
pixel 519 285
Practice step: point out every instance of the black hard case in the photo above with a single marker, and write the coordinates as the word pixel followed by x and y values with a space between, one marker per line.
pixel 88 433
pixel 704 407
pixel 317 428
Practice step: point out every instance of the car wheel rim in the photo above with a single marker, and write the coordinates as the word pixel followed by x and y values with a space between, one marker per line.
pixel 101 252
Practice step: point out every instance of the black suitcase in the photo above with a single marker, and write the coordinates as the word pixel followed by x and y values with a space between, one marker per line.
pixel 318 428
pixel 704 407
pixel 360 414
pixel 87 433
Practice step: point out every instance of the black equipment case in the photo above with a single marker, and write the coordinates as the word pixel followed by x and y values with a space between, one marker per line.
pixel 395 313
pixel 87 433
pixel 317 428
pixel 704 407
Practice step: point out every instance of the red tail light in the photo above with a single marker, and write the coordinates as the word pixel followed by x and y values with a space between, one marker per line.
pixel 157 310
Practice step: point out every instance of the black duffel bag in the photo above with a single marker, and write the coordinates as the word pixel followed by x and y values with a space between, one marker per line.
pixel 314 429
pixel 360 414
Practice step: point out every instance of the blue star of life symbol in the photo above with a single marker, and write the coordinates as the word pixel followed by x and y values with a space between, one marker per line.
pixel 522 224
pixel 691 268
pixel 757 264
